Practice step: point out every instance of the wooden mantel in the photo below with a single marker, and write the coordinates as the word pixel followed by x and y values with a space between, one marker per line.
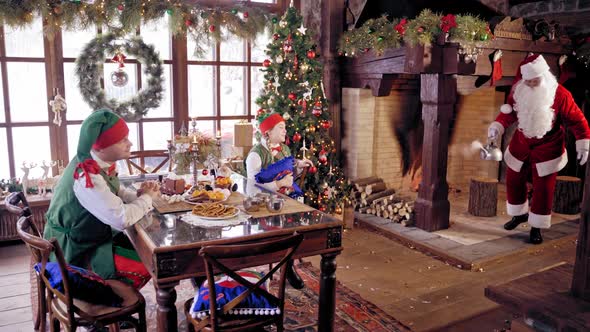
pixel 439 67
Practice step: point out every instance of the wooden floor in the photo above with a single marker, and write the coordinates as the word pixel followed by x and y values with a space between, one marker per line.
pixel 422 292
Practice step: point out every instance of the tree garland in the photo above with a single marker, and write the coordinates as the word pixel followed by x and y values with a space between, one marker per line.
pixel 379 34
pixel 89 68
pixel 203 24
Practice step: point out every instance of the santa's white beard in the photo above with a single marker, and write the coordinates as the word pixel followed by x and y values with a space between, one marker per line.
pixel 533 106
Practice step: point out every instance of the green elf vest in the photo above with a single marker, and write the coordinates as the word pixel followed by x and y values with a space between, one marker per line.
pixel 85 240
pixel 265 155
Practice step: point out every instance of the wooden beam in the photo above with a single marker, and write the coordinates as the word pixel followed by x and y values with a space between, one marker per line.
pixel 438 94
pixel 581 279
pixel 179 81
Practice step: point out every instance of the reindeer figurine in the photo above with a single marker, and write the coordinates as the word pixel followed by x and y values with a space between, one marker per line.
pixel 25 180
pixel 46 182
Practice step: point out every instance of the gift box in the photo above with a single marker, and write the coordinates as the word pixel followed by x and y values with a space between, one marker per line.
pixel 243 134
pixel 172 186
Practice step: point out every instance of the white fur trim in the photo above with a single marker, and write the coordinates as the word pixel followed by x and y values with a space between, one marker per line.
pixel 498 126
pixel 517 210
pixel 539 220
pixel 535 68
pixel 511 161
pixel 583 144
pixel 552 166
pixel 506 109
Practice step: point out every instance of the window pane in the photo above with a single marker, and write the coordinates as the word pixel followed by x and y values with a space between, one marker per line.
pixel 26 80
pixel 208 50
pixel 232 90
pixel 200 94
pixel 158 34
pixel 26 41
pixel 77 109
pixel 73 137
pixel 134 135
pixel 205 127
pixel 156 134
pixel 24 146
pixel 165 108
pixel 232 49
pixel 2 110
pixel 259 47
pixel 121 93
pixel 256 87
pixel 74 41
pixel 227 138
pixel 4 169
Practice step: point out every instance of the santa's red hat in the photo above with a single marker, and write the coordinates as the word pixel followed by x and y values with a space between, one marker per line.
pixel 532 66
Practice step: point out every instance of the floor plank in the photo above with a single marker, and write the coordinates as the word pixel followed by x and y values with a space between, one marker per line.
pixel 15 290
pixel 15 316
pixel 19 327
pixel 14 302
pixel 11 279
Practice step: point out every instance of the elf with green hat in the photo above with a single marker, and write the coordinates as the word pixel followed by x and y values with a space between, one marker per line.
pixel 271 165
pixel 89 208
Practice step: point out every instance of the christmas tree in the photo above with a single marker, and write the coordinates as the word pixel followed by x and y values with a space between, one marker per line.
pixel 293 87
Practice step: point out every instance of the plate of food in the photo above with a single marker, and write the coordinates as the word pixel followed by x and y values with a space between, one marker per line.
pixel 207 196
pixel 215 211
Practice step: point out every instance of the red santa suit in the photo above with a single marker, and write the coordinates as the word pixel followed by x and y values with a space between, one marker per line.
pixel 538 146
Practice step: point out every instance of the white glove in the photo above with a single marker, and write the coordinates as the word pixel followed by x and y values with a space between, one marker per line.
pixel 493 132
pixel 582 156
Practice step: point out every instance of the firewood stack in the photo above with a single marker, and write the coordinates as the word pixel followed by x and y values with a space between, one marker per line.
pixel 373 197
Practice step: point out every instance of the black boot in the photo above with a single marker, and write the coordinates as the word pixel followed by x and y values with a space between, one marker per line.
pixel 293 278
pixel 535 236
pixel 515 221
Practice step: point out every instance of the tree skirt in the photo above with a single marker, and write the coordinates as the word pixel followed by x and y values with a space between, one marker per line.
pixel 353 313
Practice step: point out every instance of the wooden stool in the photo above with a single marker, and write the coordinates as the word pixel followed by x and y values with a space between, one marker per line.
pixel 567 195
pixel 483 197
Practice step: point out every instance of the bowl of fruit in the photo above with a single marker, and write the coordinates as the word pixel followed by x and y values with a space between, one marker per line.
pixel 225 183
pixel 204 196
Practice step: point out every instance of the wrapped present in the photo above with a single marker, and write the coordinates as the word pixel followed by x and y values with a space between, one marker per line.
pixel 243 134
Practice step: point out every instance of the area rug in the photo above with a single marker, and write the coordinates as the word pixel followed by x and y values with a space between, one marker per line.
pixel 353 313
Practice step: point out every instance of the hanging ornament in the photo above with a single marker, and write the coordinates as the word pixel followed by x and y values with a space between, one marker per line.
pixel 305 67
pixel 312 170
pixel 169 11
pixel 120 7
pixel 326 124
pixel 317 108
pixel 279 59
pixel 204 14
pixel 302 103
pixel 212 28
pixel 58 105
pixel 289 74
pixel 283 23
pixel 188 23
pixel 483 37
pixel 274 20
pixel 311 54
pixel 234 11
pixel 266 63
pixel 292 96
pixel 286 116
pixel 302 29
pixel 205 171
pixel 323 157
pixel 420 29
pixel 295 63
pixel 119 58
pixel 296 137
pixel 288 44
pixel 57 10
pixel 323 208
pixel 310 129
pixel 260 112
pixel 119 78
pixel 246 15
pixel 276 36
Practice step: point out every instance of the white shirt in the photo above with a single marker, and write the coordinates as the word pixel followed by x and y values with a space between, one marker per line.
pixel 118 211
pixel 254 165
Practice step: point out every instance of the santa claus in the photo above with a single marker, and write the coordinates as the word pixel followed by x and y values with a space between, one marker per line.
pixel 542 108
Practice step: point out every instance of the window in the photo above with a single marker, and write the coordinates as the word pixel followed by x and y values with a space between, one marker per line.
pixel 222 86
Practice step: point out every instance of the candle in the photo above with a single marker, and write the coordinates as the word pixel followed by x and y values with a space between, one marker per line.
pixel 218 134
pixel 195 139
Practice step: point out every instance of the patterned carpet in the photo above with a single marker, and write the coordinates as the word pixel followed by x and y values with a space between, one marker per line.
pixel 353 313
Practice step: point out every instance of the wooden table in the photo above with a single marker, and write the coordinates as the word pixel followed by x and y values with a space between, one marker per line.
pixel 171 255
pixel 545 297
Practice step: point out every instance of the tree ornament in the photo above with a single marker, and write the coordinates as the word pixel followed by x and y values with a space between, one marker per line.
pixel 420 29
pixel 276 36
pixel 296 137
pixel 286 116
pixel 283 24
pixel 338 210
pixel 204 14
pixel 292 96
pixel 305 67
pixel 311 54
pixel 279 59
pixel 120 7
pixel 302 29
pixel 289 75
pixel 288 44
pixel 323 208
pixel 302 103
pixel 370 30
pixel 312 170
pixel 295 63
pixel 119 78
pixel 57 10
pixel 326 124
pixel 317 108
pixel 246 15
pixel 169 11
pixel 188 23
pixel 323 157
pixel 205 171
pixel 234 11
pixel 266 63
pixel 119 58
pixel 310 129
pixel 380 38
pixel 274 20
pixel 260 112
pixel 484 37
pixel 212 28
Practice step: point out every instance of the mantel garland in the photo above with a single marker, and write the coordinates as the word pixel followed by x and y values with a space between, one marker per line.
pixel 428 27
pixel 89 68
pixel 202 23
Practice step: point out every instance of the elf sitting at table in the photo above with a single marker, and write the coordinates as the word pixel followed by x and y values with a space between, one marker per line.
pixel 271 165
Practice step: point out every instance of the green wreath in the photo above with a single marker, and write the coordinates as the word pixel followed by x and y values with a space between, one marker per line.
pixel 89 69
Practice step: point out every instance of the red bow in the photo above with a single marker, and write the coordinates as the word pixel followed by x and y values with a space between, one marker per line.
pixel 111 170
pixel 89 166
pixel 277 148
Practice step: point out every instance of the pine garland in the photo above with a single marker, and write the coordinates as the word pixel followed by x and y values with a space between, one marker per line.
pixel 380 34
pixel 89 66
pixel 202 23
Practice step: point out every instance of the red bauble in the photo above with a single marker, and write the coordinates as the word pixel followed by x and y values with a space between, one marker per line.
pixel 311 54
pixel 212 28
pixel 292 96
pixel 323 157
pixel 312 170
pixel 302 103
pixel 205 172
pixel 188 23
pixel 120 7
pixel 323 208
pixel 317 108
pixel 246 15
pixel 260 112
pixel 326 124
pixel 296 137
pixel 420 29
pixel 266 63
pixel 276 36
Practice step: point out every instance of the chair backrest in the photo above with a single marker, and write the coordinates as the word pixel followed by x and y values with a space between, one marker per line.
pixel 42 249
pixel 16 203
pixel 301 179
pixel 139 160
pixel 212 256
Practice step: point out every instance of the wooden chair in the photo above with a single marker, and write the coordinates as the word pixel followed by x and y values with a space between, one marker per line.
pixel 71 312
pixel 220 320
pixel 16 203
pixel 138 159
